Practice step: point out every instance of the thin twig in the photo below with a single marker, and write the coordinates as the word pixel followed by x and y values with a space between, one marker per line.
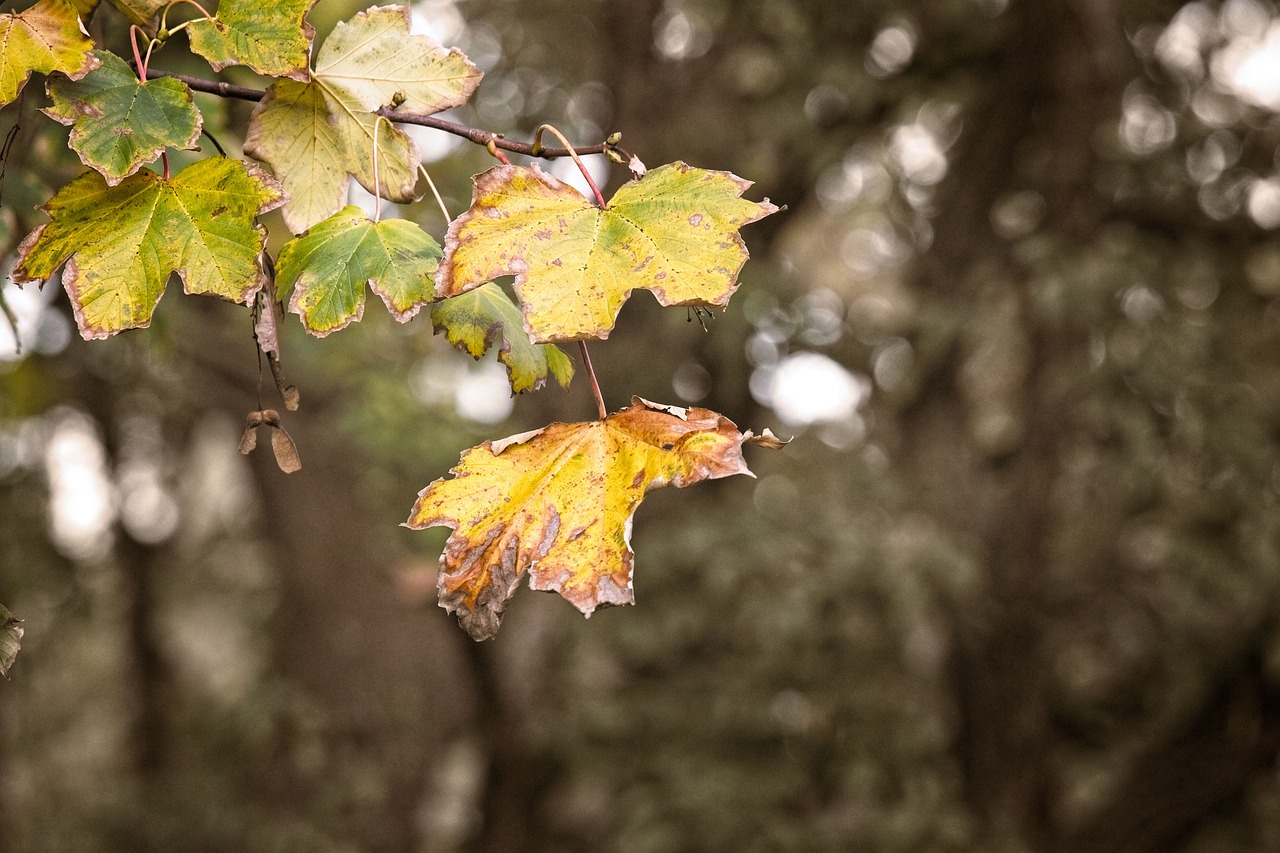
pixel 473 134
pixel 595 385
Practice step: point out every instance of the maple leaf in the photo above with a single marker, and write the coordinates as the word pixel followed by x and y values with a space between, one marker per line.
pixel 47 37
pixel 120 243
pixel 375 59
pixel 273 38
pixel 475 320
pixel 313 136
pixel 330 265
pixel 313 144
pixel 118 122
pixel 557 504
pixel 673 232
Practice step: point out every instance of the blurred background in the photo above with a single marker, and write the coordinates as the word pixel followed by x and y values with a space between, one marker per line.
pixel 1012 587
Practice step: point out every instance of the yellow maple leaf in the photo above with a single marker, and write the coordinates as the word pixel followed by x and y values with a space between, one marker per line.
pixel 673 232
pixel 47 37
pixel 557 504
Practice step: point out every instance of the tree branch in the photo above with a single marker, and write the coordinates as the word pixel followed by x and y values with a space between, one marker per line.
pixel 474 134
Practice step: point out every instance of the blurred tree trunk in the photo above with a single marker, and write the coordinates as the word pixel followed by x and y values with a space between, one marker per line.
pixel 388 676
pixel 1059 76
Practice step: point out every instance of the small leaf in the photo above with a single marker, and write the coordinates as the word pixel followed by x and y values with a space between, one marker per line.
pixel 10 640
pixel 375 59
pixel 47 37
pixel 330 265
pixel 473 322
pixel 272 38
pixel 673 232
pixel 266 329
pixel 121 243
pixel 557 504
pixel 118 123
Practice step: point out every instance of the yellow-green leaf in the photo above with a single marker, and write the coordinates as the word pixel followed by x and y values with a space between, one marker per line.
pixel 474 321
pixel 557 504
pixel 120 243
pixel 118 122
pixel 312 141
pixel 47 37
pixel 272 38
pixel 375 59
pixel 292 131
pixel 673 232
pixel 329 266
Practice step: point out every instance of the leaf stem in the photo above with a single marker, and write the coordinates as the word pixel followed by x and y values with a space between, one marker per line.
pixel 377 188
pixel 479 136
pixel 435 193
pixel 214 140
pixel 537 146
pixel 595 384
pixel 492 147
pixel 141 63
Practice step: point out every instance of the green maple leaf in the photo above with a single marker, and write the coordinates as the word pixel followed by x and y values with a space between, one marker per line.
pixel 375 59
pixel 329 266
pixel 314 135
pixel 273 38
pixel 43 39
pixel 118 122
pixel 120 243
pixel 474 321
pixel 673 232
